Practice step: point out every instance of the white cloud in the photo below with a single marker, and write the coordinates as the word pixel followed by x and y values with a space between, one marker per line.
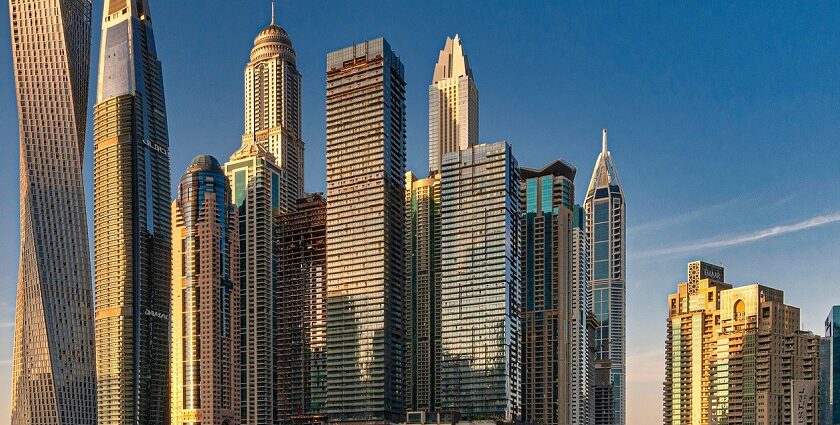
pixel 744 238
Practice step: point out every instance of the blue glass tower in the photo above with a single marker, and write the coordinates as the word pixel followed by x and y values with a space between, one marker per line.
pixel 830 365
pixel 605 213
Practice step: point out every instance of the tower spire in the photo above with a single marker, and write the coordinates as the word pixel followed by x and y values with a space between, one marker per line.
pixel 272 13
pixel 604 142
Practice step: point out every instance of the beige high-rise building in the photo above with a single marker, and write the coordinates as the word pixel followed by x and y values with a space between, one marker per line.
pixel 204 363
pixel 254 181
pixel 453 105
pixel 735 355
pixel 53 376
pixel 365 268
pixel 132 221
pixel 273 106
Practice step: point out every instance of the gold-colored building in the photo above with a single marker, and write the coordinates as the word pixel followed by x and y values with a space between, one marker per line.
pixel 734 355
pixel 131 221
pixel 204 364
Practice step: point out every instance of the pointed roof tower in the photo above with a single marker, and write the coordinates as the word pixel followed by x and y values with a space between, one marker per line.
pixel 605 173
pixel 452 62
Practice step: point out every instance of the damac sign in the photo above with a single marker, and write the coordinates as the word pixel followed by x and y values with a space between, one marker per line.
pixel 156 314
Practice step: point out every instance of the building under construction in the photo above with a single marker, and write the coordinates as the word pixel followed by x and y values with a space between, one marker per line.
pixel 301 312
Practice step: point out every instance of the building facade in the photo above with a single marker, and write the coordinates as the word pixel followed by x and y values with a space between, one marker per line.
pixel 481 367
pixel 453 104
pixel 605 213
pixel 736 355
pixel 547 204
pixel 131 221
pixel 830 365
pixel 255 186
pixel 273 108
pixel 53 374
pixel 301 339
pixel 365 225
pixel 422 297
pixel 204 363
pixel 580 359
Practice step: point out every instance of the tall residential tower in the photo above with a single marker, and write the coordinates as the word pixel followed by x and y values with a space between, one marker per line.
pixel 830 364
pixel 255 184
pixel 273 106
pixel 736 355
pixel 205 298
pixel 481 299
pixel 131 221
pixel 365 255
pixel 301 342
pixel 547 202
pixel 605 212
pixel 453 104
pixel 53 377
pixel 422 292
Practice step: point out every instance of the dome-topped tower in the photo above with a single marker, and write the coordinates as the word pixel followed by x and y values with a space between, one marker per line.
pixel 273 109
pixel 273 41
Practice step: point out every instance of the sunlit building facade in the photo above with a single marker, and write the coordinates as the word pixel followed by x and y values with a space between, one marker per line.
pixel 365 225
pixel 204 363
pixel 453 104
pixel 301 332
pixel 481 300
pixel 736 355
pixel 273 108
pixel 422 297
pixel 131 221
pixel 53 378
pixel 255 186
pixel 547 205
pixel 605 213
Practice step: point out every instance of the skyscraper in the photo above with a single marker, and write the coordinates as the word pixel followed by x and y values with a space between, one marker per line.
pixel 365 264
pixel 453 104
pixel 481 298
pixel 53 376
pixel 255 185
pixel 579 334
pixel 736 355
pixel 422 296
pixel 301 342
pixel 131 221
pixel 273 106
pixel 605 214
pixel 205 298
pixel 830 364
pixel 547 203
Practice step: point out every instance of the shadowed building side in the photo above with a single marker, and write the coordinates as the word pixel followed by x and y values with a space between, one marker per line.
pixel 53 375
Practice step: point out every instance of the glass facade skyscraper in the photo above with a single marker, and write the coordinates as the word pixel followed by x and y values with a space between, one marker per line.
pixel 547 202
pixel 365 225
pixel 605 213
pixel 53 377
pixel 131 221
pixel 481 367
pixel 205 298
pixel 255 186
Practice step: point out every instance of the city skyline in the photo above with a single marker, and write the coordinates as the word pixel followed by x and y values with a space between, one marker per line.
pixel 582 146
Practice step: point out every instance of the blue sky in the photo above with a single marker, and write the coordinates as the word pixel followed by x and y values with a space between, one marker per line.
pixel 723 122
